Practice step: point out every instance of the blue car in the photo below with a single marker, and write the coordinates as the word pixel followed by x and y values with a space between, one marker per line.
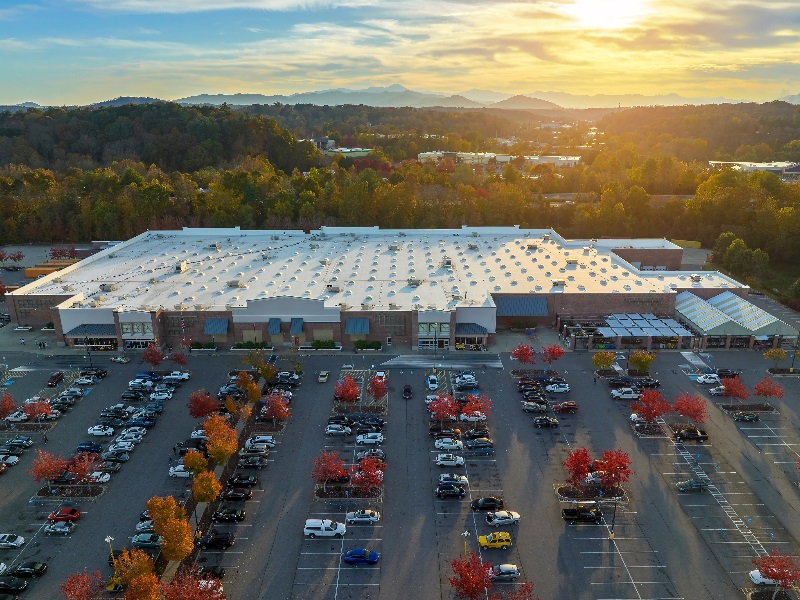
pixel 155 407
pixel 89 447
pixel 360 556
pixel 146 423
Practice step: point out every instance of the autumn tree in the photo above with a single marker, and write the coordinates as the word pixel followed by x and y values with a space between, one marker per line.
pixel 47 466
pixel 472 580
pixel 616 468
pixel 163 509
pixel 524 354
pixel 477 403
pixel 552 353
pixel 222 442
pixel 776 355
pixel 347 390
pixel 368 475
pixel 603 360
pixel 780 568
pixel 206 487
pixel 327 466
pixel 443 408
pixel 178 358
pixel 276 407
pixel 577 466
pixel 34 410
pixel 202 404
pixel 521 592
pixel 641 360
pixel 178 540
pixel 143 587
pixel 768 388
pixel 153 356
pixel 189 585
pixel 195 462
pixel 83 586
pixel 258 361
pixel 377 387
pixel 83 465
pixel 734 388
pixel 251 390
pixel 691 406
pixel 650 406
pixel 131 564
pixel 7 405
pixel 15 256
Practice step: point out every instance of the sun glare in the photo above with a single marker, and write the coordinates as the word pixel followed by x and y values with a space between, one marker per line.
pixel 608 14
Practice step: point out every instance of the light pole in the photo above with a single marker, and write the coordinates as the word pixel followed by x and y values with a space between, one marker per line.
pixel 465 535
pixel 613 520
pixel 110 539
pixel 86 343
pixel 435 345
pixel 794 354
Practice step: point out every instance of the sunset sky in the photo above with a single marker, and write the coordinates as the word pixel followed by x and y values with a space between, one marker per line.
pixel 82 51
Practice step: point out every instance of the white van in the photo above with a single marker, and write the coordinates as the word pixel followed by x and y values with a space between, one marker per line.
pixel 324 528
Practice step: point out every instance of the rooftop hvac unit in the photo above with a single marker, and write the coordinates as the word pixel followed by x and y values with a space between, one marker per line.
pixel 392 306
pixel 333 288
pixel 93 304
pixel 559 283
pixel 344 305
pixel 474 234
pixel 275 238
pixel 447 262
pixel 180 267
pixel 545 237
pixel 414 282
pixel 214 246
pixel 234 283
pixel 152 280
pixel 66 288
pixel 695 277
pixel 107 287
pixel 572 261
pixel 394 246
pixel 532 246
pixel 314 246
pixel 324 261
pixel 472 246
pixel 366 306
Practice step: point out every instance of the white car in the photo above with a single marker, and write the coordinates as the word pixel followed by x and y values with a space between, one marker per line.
pixel 449 460
pixel 140 431
pixel 17 417
pixel 9 459
pixel 557 388
pixel 88 380
pixel 363 516
pixel 432 382
pixel 260 440
pixel 717 391
pixel 120 359
pixel 757 578
pixel 99 477
pixel 128 438
pixel 453 478
pixel 140 383
pixel 59 527
pixel 335 429
pixel 472 417
pixel 10 540
pixel 502 517
pixel 709 378
pixel 184 375
pixel 634 418
pixel 160 396
pixel 199 434
pixel 381 375
pixel 595 477
pixel 369 438
pixel 121 446
pixel 449 444
pixel 180 471
pixel 101 430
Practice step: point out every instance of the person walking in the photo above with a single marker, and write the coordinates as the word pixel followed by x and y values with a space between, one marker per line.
pixel 45 437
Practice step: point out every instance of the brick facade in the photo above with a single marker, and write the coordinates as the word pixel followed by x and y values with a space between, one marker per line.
pixel 652 257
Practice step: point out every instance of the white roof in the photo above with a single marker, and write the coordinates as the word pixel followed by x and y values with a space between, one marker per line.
pixel 205 269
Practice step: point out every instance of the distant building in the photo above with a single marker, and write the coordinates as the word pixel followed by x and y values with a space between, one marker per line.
pixel 350 152
pixel 323 144
pixel 779 168
pixel 485 158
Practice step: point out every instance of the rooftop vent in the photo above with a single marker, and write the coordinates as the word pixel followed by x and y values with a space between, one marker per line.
pixel 414 282
pixel 572 261
pixel 314 246
pixel 235 283
pixel 472 246
pixel 180 267
pixel 695 277
pixel 392 306
pixel 366 306
pixel 214 246
pixel 533 246
pixel 107 287
pixel 333 288
pixel 447 262
pixel 394 246
pixel 559 283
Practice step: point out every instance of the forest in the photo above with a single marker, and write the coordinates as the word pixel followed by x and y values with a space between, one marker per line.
pixel 69 176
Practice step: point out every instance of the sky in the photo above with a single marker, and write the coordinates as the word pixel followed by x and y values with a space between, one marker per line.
pixel 66 52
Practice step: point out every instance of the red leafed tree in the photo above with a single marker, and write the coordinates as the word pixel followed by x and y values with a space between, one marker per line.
pixel 83 586
pixel 650 405
pixel 46 466
pixel 153 356
pixel 524 354
pixel 521 592
pixel 276 407
pixel 367 475
pixel 472 579
pixel 84 465
pixel 202 404
pixel 15 256
pixel 781 568
pixel 377 387
pixel 7 405
pixel 327 466
pixel 552 353
pixel 768 388
pixel 476 403
pixel 36 409
pixel 691 406
pixel 577 466
pixel 347 389
pixel 178 358
pixel 616 468
pixel 444 408
pixel 734 388
pixel 188 585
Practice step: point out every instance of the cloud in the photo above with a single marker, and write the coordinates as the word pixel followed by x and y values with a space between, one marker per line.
pixel 190 6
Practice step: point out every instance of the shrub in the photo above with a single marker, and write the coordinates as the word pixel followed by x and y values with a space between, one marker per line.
pixel 323 344
pixel 365 345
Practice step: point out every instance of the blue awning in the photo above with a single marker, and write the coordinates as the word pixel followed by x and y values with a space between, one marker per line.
pixel 215 326
pixel 296 328
pixel 470 329
pixel 521 306
pixel 93 330
pixel 356 326
pixel 274 327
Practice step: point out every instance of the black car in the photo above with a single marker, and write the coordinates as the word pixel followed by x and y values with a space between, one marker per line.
pixel 110 422
pixel 727 373
pixel 31 568
pixel 378 453
pixel 618 382
pixel 366 418
pixel 252 462
pixel 65 478
pixel 216 540
pixel 12 584
pixel 467 385
pixel 236 494
pixel 340 420
pixel 208 571
pixel 746 416
pixel 488 503
pixel 646 383
pixel 359 428
pixel 545 422
pixel 109 466
pixel 408 392
pixel 119 457
pixel 94 371
pixel 228 515
pixel 129 395
pixel 449 490
pixel 479 443
pixel 530 388
pixel 240 480
pixel 11 450
pixel 443 431
pixel 475 433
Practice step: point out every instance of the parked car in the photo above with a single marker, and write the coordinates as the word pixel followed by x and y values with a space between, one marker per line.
pixel 360 556
pixel 216 540
pixel 100 430
pixel 449 460
pixel 498 539
pixel 565 407
pixel 237 494
pixel 454 478
pixel 324 528
pixel 717 391
pixel 363 516
pixel 10 540
pixel 708 378
pixel 479 444
pixel 335 429
pixel 240 480
pixel 502 517
pixel 20 441
pixel 449 490
pixel 17 417
pixel 59 528
pixel 88 380
pixel 371 453
pixel 692 485
pixel 448 444
pixel 9 583
pixel 98 477
pixel 535 407
pixel 408 392
pixel 147 540
pixel 55 379
pixel 432 382
pixel 472 417
pixel 120 359
pixel 545 422
pixel 504 572
pixel 252 462
pixel 746 416
pixel 625 393
pixel 229 515
pixel 758 579
pixel 557 388
pixel 89 447
pixel 487 503
pixel 479 431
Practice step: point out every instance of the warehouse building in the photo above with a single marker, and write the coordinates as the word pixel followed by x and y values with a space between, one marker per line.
pixel 423 288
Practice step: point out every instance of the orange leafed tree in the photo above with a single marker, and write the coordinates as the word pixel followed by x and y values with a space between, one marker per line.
pixel 472 580
pixel 153 356
pixel 691 406
pixel 222 442
pixel 46 466
pixel 552 353
pixel 131 564
pixel 377 387
pixel 188 585
pixel 7 405
pixel 163 509
pixel 347 390
pixel 327 466
pixel 206 487
pixel 36 409
pixel 276 407
pixel 768 388
pixel 524 354
pixel 178 540
pixel 143 587
pixel 195 462
pixel 202 404
pixel 477 403
pixel 577 466
pixel 83 586
pixel 84 465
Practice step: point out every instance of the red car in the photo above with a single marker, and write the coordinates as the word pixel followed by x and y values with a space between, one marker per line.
pixel 65 514
pixel 565 407
pixel 55 379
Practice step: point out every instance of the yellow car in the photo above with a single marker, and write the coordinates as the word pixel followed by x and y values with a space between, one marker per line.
pixel 499 539
pixel 323 376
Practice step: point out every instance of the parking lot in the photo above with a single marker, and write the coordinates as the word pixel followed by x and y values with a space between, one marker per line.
pixel 667 544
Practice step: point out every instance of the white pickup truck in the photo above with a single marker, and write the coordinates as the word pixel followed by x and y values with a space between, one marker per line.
pixel 182 375
pixel 625 394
